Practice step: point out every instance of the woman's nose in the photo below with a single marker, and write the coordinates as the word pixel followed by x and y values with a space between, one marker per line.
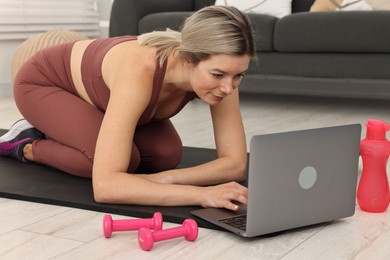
pixel 227 87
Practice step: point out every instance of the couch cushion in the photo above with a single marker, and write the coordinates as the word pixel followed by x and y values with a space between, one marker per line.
pixel 125 14
pixel 334 32
pixel 263 29
pixel 324 65
pixel 162 21
pixel 198 4
pixel 263 26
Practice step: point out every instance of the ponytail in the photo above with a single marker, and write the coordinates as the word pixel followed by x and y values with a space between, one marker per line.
pixel 166 42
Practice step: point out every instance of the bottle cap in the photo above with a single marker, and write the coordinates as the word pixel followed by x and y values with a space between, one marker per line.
pixel 376 129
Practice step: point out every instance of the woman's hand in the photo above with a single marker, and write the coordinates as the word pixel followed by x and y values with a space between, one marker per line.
pixel 223 195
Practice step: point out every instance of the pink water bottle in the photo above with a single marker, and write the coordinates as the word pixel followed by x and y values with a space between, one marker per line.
pixel 373 191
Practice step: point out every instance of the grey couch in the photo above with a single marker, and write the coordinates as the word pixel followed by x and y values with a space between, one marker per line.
pixel 344 54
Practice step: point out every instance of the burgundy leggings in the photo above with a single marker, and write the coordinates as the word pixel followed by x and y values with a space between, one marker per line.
pixel 46 97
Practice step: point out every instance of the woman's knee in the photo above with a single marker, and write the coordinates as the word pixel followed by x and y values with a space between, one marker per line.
pixel 162 158
pixel 159 145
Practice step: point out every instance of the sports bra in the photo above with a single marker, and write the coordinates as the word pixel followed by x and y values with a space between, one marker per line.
pixel 96 88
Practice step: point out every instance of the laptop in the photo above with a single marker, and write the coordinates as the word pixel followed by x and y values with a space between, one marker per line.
pixel 295 179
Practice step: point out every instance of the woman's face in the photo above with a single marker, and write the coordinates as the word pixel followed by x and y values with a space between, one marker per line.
pixel 215 78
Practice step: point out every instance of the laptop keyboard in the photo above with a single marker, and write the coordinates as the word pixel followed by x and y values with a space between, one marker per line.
pixel 236 221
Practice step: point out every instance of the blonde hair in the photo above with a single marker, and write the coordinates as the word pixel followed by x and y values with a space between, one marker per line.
pixel 210 31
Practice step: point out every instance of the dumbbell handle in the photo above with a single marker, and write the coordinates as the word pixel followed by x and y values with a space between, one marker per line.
pixel 146 238
pixel 133 224
pixel 170 233
pixel 110 225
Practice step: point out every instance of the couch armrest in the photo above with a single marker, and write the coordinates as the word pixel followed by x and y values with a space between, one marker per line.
pixel 125 14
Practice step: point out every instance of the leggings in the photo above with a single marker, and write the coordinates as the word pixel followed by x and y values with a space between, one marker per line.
pixel 45 95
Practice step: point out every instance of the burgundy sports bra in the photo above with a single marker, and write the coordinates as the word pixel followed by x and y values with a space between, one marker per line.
pixel 96 88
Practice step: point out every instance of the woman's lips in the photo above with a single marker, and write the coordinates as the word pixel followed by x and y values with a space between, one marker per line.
pixel 218 97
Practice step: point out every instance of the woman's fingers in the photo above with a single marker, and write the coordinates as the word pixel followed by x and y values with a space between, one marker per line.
pixel 231 206
pixel 238 194
pixel 225 196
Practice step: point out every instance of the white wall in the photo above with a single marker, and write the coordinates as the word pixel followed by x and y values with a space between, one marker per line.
pixel 8 47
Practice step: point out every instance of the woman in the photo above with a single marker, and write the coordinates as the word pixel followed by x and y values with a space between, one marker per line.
pixel 104 106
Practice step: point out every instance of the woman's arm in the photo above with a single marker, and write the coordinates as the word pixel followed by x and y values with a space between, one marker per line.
pixel 126 188
pixel 112 183
pixel 231 148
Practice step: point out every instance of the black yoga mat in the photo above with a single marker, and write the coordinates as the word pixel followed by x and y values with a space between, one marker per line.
pixel 39 183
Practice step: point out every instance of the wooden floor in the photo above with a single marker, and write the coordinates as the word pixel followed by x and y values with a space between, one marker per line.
pixel 38 231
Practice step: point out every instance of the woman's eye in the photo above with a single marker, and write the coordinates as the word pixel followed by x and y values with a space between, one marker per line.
pixel 217 75
pixel 238 77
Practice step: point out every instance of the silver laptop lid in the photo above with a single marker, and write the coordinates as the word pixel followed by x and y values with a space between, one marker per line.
pixel 302 177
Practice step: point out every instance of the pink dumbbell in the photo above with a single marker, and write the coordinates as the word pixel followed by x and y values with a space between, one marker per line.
pixel 146 238
pixel 110 225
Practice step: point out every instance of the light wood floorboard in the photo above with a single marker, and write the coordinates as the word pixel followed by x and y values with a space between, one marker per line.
pixel 38 231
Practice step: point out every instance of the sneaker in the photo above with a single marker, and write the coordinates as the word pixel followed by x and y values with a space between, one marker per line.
pixel 20 134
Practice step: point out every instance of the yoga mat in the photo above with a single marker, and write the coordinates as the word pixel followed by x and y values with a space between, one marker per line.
pixel 43 184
